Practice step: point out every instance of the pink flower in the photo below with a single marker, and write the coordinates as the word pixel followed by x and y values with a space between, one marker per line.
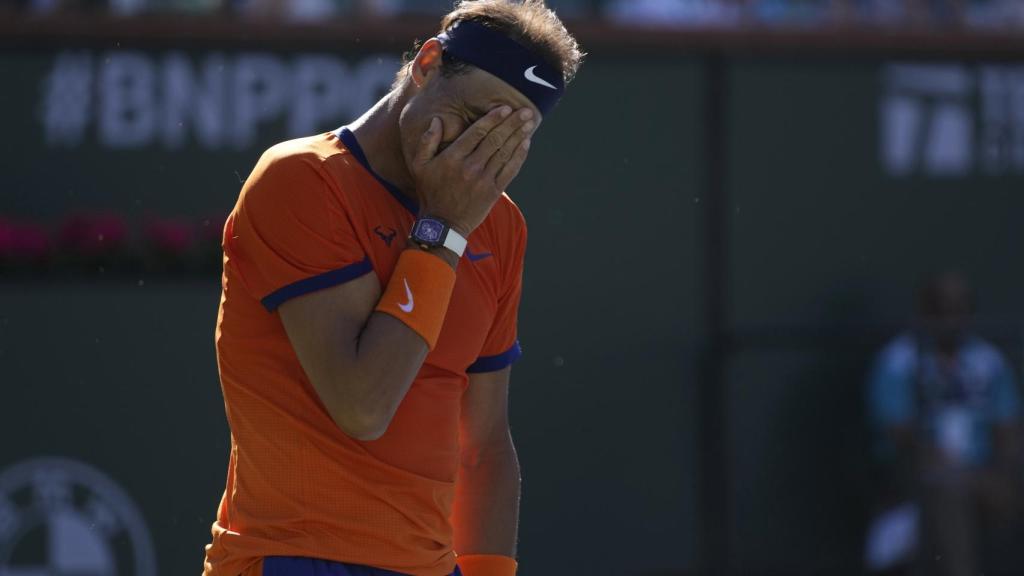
pixel 170 236
pixel 93 234
pixel 27 241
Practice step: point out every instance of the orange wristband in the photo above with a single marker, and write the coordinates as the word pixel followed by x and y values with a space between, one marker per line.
pixel 418 293
pixel 486 565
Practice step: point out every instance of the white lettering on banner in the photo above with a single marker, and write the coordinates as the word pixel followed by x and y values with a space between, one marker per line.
pixel 370 79
pixel 926 123
pixel 260 84
pixel 321 86
pixel 193 101
pixel 215 100
pixel 1002 119
pixel 950 120
pixel 127 115
pixel 68 93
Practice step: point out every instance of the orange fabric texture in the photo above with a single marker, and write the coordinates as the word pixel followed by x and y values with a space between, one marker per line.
pixel 487 565
pixel 312 216
pixel 418 293
pixel 256 569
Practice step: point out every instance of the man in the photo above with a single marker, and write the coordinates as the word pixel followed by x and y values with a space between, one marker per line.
pixel 368 320
pixel 947 409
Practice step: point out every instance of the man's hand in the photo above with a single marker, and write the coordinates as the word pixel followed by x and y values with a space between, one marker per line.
pixel 462 183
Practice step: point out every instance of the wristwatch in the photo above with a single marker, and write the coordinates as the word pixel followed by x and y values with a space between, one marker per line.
pixel 434 233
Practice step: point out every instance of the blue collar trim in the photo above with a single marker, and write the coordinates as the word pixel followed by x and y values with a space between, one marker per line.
pixel 349 139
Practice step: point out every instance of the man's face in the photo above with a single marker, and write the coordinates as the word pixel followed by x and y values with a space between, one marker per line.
pixel 948 317
pixel 459 101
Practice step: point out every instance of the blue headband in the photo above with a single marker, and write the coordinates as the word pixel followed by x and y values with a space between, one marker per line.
pixel 507 59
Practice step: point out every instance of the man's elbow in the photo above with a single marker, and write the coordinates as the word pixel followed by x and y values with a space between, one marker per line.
pixel 361 415
pixel 501 454
pixel 362 426
pixel 360 420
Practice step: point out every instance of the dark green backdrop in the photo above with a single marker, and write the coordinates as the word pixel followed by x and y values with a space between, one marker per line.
pixel 821 249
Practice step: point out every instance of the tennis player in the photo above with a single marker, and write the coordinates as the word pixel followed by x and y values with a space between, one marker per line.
pixel 371 283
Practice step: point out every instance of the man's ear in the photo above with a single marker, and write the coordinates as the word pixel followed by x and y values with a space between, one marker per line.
pixel 427 62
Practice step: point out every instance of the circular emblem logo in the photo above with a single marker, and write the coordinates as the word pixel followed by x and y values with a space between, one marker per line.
pixel 60 516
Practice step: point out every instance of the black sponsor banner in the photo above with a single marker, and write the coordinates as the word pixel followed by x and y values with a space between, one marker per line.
pixel 171 131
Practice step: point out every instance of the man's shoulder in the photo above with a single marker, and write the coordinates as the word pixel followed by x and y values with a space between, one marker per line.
pixel 984 352
pixel 506 216
pixel 899 354
pixel 294 153
pixel 502 234
pixel 302 168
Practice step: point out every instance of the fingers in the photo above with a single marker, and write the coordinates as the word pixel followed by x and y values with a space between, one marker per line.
pixel 429 142
pixel 468 140
pixel 511 168
pixel 507 149
pixel 500 135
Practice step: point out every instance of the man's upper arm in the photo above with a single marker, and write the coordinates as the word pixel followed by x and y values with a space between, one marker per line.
pixel 323 328
pixel 291 240
pixel 291 233
pixel 501 346
pixel 483 426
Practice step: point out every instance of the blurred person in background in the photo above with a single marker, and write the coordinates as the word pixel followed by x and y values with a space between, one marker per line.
pixel 946 410
pixel 675 12
pixel 984 14
pixel 994 14
pixel 319 11
pixel 796 12
pixel 301 11
pixel 392 8
pixel 364 362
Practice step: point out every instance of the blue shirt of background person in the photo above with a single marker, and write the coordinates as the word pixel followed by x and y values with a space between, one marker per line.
pixel 949 388
pixel 954 403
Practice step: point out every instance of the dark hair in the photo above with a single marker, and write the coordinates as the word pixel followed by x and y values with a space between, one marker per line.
pixel 528 22
pixel 933 293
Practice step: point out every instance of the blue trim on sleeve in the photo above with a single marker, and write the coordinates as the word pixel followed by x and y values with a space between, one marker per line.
pixel 495 363
pixel 318 282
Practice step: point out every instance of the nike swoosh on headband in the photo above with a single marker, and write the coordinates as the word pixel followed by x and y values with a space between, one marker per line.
pixel 532 77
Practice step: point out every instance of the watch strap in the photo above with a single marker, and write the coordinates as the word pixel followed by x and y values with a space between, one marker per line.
pixel 455 242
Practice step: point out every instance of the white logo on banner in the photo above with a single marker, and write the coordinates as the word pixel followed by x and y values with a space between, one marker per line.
pixel 948 120
pixel 60 516
pixel 134 99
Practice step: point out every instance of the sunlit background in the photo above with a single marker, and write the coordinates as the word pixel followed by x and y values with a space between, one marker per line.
pixel 732 212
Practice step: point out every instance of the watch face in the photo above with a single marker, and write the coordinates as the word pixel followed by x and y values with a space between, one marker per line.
pixel 429 231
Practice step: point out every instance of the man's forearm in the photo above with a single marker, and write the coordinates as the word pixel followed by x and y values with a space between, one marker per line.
pixel 388 357
pixel 364 380
pixel 390 351
pixel 486 514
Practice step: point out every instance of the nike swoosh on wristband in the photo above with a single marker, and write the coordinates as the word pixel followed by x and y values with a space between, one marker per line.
pixel 478 256
pixel 532 77
pixel 408 306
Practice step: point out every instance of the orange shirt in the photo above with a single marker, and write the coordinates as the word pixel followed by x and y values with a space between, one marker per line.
pixel 313 215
